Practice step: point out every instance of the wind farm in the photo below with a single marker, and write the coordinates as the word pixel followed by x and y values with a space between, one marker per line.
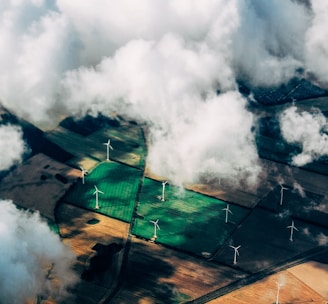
pixel 159 152
pixel 183 225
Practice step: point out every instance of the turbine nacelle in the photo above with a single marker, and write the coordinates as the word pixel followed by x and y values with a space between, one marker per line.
pixel 97 190
pixel 108 144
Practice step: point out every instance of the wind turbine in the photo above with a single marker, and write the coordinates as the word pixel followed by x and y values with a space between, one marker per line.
pixel 278 291
pixel 227 211
pixel 292 228
pixel 235 253
pixel 163 191
pixel 282 188
pixel 156 226
pixel 83 173
pixel 108 146
pixel 96 193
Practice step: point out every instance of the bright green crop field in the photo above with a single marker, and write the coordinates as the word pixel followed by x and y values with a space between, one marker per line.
pixel 187 220
pixel 119 184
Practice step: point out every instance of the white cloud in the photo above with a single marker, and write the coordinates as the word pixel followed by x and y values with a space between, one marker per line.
pixel 322 239
pixel 28 249
pixel 12 146
pixel 316 46
pixel 37 45
pixel 306 130
pixel 269 44
pixel 221 146
pixel 170 86
pixel 154 62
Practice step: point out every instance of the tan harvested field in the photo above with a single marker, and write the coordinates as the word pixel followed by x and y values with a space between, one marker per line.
pixel 314 275
pixel 292 291
pixel 82 230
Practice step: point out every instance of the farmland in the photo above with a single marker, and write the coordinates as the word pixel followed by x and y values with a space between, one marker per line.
pixel 193 236
pixel 190 259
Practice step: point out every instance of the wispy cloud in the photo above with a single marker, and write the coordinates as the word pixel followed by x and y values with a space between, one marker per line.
pixel 12 146
pixel 162 63
pixel 307 130
pixel 31 256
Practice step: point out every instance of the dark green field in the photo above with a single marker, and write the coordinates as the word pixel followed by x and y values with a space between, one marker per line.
pixel 127 141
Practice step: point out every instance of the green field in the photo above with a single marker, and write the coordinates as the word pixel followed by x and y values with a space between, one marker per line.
pixel 188 220
pixel 118 182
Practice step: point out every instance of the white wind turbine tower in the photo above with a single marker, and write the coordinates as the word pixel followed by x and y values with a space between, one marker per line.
pixel 235 253
pixel 108 146
pixel 282 188
pixel 83 173
pixel 278 292
pixel 227 211
pixel 96 193
pixel 292 228
pixel 156 226
pixel 163 191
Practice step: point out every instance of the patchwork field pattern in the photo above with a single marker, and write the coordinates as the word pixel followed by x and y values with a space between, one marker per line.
pixel 195 224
